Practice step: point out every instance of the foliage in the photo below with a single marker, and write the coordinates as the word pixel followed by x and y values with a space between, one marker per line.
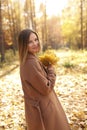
pixel 49 58
pixel 10 58
pixel 11 21
pixel 54 31
pixel 68 64
pixel 74 24
pixel 69 29
pixel 74 61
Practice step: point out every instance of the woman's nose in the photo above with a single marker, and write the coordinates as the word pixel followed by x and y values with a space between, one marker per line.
pixel 35 43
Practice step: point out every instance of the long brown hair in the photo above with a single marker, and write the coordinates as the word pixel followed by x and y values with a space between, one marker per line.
pixel 22 43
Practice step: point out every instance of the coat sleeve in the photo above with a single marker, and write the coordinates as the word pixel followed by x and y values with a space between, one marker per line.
pixel 51 76
pixel 33 74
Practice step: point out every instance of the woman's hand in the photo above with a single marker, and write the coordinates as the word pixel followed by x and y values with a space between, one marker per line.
pixel 51 75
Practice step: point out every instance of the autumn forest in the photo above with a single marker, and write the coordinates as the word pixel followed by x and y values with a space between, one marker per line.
pixel 66 30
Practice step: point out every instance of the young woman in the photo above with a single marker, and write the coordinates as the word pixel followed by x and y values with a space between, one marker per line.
pixel 43 110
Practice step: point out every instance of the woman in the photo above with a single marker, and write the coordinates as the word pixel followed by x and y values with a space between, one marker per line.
pixel 43 110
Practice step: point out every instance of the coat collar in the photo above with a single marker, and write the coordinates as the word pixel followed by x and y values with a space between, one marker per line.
pixel 30 56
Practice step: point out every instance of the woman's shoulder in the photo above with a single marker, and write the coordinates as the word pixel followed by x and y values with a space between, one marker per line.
pixel 31 66
pixel 31 62
pixel 30 57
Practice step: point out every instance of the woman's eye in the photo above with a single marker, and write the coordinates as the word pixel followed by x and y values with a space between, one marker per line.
pixel 36 39
pixel 29 42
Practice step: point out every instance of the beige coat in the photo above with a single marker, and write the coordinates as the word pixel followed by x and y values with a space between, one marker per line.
pixel 43 110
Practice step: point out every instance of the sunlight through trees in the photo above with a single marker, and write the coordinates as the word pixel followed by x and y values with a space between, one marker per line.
pixel 56 30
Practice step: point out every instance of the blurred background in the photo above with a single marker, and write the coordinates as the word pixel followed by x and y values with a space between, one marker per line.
pixel 60 24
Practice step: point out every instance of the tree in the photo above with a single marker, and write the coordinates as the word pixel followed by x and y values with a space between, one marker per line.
pixel 1 36
pixel 74 19
pixel 11 22
pixel 85 24
pixel 29 14
pixel 13 16
pixel 43 23
pixel 54 32
pixel 49 28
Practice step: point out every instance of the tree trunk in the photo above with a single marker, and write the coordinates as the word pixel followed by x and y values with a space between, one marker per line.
pixel 82 42
pixel 1 36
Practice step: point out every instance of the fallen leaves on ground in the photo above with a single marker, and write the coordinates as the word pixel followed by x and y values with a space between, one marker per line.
pixel 71 89
pixel 11 103
pixel 72 92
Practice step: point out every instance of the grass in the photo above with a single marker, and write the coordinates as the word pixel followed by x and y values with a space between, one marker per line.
pixel 73 60
pixel 10 61
pixel 68 64
pixel 68 60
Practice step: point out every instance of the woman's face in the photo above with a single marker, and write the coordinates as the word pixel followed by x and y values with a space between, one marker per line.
pixel 33 44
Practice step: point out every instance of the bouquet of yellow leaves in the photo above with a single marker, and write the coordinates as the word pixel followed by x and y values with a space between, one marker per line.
pixel 49 58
